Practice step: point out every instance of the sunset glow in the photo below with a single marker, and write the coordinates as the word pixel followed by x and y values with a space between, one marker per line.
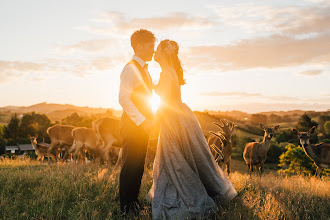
pixel 254 57
pixel 155 101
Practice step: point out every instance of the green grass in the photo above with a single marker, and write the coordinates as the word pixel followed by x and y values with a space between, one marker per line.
pixel 29 190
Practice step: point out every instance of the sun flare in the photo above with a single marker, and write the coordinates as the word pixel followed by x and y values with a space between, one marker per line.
pixel 155 101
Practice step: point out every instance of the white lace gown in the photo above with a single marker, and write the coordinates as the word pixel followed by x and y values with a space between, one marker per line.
pixel 187 181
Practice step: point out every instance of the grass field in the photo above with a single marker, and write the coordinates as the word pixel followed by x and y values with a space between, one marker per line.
pixel 30 190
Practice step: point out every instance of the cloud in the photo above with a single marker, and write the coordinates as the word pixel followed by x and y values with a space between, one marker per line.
pixel 90 46
pixel 10 70
pixel 240 94
pixel 263 107
pixel 246 99
pixel 252 95
pixel 120 23
pixel 297 20
pixel 13 70
pixel 272 52
pixel 311 72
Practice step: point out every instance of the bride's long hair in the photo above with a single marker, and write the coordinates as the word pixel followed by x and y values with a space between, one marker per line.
pixel 171 49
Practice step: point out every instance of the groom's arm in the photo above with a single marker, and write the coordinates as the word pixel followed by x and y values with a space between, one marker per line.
pixel 129 81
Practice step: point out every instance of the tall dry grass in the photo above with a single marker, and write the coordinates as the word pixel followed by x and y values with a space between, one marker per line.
pixel 30 190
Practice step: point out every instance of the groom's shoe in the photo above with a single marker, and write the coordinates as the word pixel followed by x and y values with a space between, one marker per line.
pixel 132 208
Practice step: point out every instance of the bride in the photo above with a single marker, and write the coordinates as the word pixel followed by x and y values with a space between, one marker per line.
pixel 187 181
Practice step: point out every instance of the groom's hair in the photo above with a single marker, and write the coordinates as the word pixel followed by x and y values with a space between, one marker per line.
pixel 142 36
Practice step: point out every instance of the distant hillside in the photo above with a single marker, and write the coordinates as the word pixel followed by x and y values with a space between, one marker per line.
pixel 206 120
pixel 56 112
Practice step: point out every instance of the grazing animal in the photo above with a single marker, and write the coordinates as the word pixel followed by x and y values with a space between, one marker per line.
pixel 108 138
pixel 40 150
pixel 255 153
pixel 84 139
pixel 60 136
pixel 221 145
pixel 319 153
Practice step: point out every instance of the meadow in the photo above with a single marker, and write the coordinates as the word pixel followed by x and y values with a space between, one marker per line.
pixel 30 190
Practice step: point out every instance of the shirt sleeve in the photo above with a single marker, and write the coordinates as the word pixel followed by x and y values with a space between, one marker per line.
pixel 128 81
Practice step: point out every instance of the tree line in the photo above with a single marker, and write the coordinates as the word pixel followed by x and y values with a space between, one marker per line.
pixel 19 127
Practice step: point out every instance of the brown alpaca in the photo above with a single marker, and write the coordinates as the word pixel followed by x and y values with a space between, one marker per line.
pixel 60 136
pixel 108 138
pixel 84 139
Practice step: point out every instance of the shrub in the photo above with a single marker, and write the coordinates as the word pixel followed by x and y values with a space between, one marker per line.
pixel 239 145
pixel 295 161
pixel 274 152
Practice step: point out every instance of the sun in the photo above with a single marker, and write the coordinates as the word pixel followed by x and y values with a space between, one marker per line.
pixel 155 101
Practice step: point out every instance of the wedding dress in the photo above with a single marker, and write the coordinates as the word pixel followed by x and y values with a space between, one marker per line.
pixel 187 181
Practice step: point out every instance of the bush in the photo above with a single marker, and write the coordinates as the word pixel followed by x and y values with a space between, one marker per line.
pixel 327 127
pixel 295 161
pixel 286 136
pixel 274 153
pixel 239 145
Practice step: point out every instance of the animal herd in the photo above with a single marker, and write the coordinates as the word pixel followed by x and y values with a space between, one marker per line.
pixel 103 144
pixel 255 153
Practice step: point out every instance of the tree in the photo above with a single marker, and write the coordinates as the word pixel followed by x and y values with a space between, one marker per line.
pixel 73 119
pixel 327 128
pixel 304 124
pixel 239 145
pixel 286 118
pixel 274 152
pixel 33 123
pixel 275 118
pixel 295 161
pixel 322 120
pixel 11 130
pixel 76 120
pixel 2 146
pixel 258 118
pixel 286 136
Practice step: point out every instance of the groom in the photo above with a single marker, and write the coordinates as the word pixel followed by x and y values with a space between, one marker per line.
pixel 136 121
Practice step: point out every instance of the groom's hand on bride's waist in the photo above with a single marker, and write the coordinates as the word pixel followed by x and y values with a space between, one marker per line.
pixel 147 125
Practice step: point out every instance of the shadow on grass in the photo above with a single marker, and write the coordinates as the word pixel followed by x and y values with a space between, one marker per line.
pixel 236 210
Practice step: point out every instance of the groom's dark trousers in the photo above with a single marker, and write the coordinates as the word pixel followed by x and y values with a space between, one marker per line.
pixel 134 144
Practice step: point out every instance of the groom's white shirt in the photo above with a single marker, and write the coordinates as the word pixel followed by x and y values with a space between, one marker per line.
pixel 130 78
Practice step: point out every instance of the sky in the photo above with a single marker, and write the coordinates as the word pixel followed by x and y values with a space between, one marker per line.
pixel 250 56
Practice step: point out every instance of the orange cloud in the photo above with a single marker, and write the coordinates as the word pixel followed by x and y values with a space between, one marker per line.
pixel 120 23
pixel 252 95
pixel 311 72
pixel 241 94
pixel 271 52
pixel 90 45
pixel 286 20
pixel 11 70
pixel 262 107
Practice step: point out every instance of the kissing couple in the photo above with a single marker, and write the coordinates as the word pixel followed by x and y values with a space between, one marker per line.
pixel 187 182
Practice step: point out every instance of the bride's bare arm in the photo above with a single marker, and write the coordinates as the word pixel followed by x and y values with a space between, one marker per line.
pixel 164 84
